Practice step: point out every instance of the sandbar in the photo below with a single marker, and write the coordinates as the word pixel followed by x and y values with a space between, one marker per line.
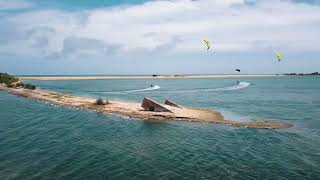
pixel 134 110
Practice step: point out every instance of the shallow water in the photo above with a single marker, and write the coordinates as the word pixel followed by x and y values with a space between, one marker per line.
pixel 39 141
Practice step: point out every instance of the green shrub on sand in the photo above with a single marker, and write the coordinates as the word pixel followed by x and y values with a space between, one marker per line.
pixel 29 86
pixel 8 79
pixel 100 101
pixel 13 82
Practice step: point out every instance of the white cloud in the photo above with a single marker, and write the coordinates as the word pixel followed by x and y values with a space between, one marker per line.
pixel 170 26
pixel 14 4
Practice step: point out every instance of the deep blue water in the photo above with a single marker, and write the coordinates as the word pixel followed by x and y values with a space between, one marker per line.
pixel 39 141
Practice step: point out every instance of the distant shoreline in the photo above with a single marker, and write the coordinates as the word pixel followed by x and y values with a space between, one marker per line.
pixel 88 77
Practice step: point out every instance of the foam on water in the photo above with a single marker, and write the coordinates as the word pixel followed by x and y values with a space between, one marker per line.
pixel 234 87
pixel 136 90
pixel 241 85
pixel 145 89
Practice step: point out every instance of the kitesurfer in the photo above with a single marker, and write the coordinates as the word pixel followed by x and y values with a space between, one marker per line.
pixel 278 56
pixel 207 43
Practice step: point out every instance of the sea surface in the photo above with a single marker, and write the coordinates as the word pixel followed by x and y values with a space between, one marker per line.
pixel 41 141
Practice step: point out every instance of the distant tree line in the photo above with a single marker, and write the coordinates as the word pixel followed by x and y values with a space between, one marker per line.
pixel 303 74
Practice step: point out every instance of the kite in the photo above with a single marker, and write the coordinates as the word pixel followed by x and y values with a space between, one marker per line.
pixel 279 57
pixel 208 43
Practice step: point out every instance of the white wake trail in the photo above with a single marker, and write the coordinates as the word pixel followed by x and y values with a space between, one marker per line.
pixel 145 89
pixel 234 87
pixel 135 90
pixel 241 85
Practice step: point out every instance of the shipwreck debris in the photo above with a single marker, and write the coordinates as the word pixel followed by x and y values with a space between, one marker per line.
pixel 150 105
pixel 171 103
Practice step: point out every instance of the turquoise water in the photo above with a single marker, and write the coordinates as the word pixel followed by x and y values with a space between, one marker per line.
pixel 86 4
pixel 39 141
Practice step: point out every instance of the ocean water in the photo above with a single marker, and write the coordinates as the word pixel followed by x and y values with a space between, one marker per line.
pixel 39 141
pixel 85 4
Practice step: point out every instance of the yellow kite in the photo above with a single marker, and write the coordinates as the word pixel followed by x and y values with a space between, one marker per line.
pixel 279 56
pixel 208 43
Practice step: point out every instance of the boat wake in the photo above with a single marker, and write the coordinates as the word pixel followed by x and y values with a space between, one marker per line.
pixel 135 90
pixel 145 89
pixel 241 85
pixel 234 87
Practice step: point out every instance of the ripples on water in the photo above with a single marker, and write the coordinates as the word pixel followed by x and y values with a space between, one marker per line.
pixel 39 141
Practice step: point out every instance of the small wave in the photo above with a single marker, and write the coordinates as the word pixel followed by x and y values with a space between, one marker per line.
pixel 136 90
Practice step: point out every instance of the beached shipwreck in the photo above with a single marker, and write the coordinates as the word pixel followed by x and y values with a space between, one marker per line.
pixel 147 110
pixel 150 105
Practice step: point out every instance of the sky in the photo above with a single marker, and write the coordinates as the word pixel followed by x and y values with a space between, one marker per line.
pixel 89 37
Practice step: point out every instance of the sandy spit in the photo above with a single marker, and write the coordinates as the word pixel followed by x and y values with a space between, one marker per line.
pixel 135 110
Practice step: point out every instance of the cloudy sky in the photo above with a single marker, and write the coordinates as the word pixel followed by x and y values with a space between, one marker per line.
pixel 146 37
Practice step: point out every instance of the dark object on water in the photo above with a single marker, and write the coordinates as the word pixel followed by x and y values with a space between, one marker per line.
pixel 238 70
pixel 151 85
pixel 150 105
pixel 154 75
pixel 170 103
pixel 237 83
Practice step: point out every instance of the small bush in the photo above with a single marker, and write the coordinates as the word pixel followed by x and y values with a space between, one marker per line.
pixel 10 85
pixel 20 84
pixel 100 102
pixel 29 86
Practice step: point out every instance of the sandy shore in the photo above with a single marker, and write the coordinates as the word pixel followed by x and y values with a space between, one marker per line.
pixel 144 77
pixel 135 110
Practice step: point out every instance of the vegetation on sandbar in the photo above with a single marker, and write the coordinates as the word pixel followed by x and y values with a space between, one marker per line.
pixel 7 79
pixel 13 82
pixel 100 101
